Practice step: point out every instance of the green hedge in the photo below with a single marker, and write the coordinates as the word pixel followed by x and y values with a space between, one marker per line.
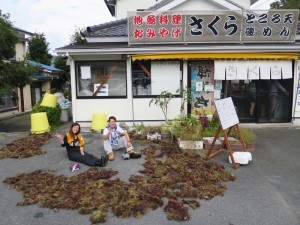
pixel 53 113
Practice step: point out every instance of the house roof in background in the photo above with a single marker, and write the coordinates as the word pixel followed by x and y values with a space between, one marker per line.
pixel 119 28
pixel 24 31
pixel 116 28
pixel 41 77
pixel 51 69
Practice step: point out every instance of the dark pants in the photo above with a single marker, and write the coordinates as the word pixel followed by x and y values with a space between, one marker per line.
pixel 86 159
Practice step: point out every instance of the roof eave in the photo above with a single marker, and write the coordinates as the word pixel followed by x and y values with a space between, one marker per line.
pixel 228 5
pixel 107 39
pixel 283 47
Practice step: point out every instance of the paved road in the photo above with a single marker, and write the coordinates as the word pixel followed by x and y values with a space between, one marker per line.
pixel 267 191
pixel 20 123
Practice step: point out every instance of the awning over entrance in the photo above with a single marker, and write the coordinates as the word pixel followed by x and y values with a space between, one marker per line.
pixel 203 55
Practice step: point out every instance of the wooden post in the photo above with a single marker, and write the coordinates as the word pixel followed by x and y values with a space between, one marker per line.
pixel 227 120
pixel 225 143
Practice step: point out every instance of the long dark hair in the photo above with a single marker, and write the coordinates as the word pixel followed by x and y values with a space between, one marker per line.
pixel 71 131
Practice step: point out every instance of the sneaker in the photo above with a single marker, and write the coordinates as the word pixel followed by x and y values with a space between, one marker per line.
pixel 125 156
pixel 111 156
pixel 134 155
pixel 74 167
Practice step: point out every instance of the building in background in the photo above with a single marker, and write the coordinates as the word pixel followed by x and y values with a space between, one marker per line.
pixel 42 82
pixel 11 103
pixel 46 79
pixel 223 50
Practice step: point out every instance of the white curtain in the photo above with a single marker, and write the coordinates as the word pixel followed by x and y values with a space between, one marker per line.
pixel 242 70
pixel 275 71
pixel 220 70
pixel 165 76
pixel 231 70
pixel 286 69
pixel 264 67
pixel 253 69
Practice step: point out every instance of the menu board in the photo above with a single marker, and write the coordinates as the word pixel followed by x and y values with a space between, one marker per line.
pixel 227 113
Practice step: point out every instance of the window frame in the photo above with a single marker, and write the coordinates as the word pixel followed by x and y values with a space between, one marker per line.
pixel 154 96
pixel 86 62
pixel 9 98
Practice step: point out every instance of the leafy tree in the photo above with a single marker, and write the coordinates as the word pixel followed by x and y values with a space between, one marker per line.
pixel 5 72
pixel 60 62
pixel 38 49
pixel 20 74
pixel 286 4
pixel 8 37
pixel 8 40
pixel 77 38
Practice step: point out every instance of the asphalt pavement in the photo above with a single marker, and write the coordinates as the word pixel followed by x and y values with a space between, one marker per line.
pixel 266 191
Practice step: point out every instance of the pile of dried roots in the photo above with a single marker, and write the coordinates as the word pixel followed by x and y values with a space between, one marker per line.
pixel 182 178
pixel 25 147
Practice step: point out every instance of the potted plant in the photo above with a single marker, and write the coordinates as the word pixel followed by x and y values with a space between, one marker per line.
pixel 139 127
pixel 188 132
pixel 163 101
pixel 165 131
pixel 186 97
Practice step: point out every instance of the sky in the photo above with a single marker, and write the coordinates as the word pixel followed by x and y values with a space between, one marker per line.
pixel 57 19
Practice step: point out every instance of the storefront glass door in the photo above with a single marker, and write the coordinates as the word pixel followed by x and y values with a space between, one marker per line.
pixel 261 101
pixel 256 101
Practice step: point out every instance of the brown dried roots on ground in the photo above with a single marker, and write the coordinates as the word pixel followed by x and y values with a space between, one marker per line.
pixel 25 147
pixel 181 177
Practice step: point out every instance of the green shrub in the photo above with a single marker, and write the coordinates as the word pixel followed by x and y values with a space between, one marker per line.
pixel 139 127
pixel 211 128
pixel 53 113
pixel 68 94
pixel 248 135
pixel 187 129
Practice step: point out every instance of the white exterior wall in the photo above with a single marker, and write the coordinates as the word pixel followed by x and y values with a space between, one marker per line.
pixel 27 98
pixel 296 114
pixel 20 51
pixel 83 109
pixel 197 5
pixel 142 111
pixel 137 109
pixel 245 3
pixel 123 6
pixel 129 109
pixel 46 86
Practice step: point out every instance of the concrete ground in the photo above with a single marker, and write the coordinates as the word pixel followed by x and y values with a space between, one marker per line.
pixel 265 192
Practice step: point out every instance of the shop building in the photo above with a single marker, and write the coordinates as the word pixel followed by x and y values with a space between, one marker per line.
pixel 222 50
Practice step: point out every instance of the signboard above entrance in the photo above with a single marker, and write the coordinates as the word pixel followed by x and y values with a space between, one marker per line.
pixel 238 26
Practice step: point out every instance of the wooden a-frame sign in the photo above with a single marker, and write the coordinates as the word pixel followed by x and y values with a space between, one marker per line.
pixel 228 119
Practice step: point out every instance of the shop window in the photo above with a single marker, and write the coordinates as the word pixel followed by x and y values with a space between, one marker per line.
pixel 101 79
pixel 153 77
pixel 257 101
pixel 9 100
